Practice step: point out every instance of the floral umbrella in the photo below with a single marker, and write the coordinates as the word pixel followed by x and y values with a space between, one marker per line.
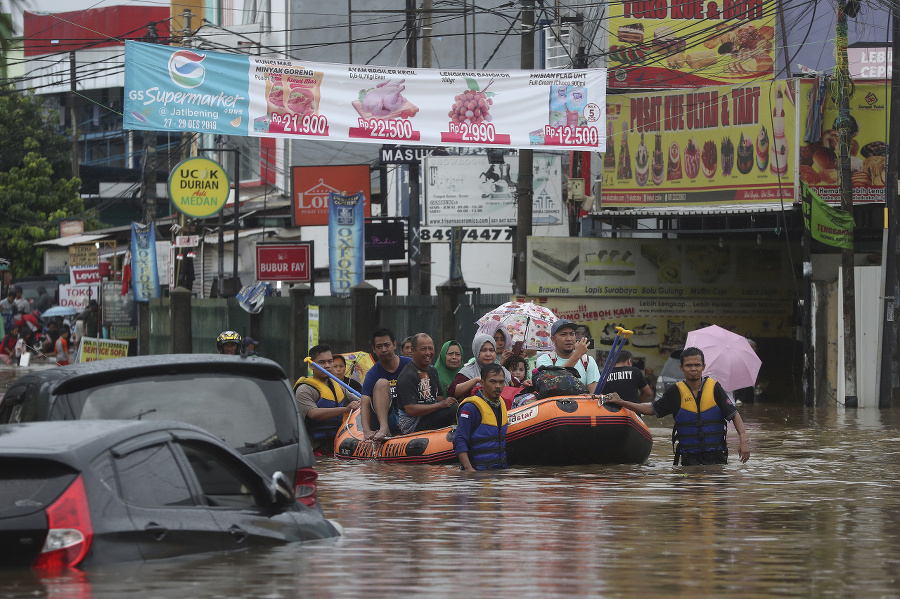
pixel 526 322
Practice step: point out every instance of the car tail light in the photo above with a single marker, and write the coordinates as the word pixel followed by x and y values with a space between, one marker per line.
pixel 305 486
pixel 70 533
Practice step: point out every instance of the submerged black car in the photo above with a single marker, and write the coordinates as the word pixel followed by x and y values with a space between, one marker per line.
pixel 95 492
pixel 245 402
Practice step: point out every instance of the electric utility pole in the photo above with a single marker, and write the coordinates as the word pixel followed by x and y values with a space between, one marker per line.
pixel 842 89
pixel 415 253
pixel 524 191
pixel 890 264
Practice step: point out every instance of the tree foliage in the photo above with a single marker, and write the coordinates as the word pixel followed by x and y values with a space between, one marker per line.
pixel 35 188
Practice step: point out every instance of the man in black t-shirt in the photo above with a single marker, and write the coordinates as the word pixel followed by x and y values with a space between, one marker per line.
pixel 422 406
pixel 628 381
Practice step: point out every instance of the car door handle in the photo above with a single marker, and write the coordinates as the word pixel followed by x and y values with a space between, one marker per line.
pixel 156 531
pixel 237 532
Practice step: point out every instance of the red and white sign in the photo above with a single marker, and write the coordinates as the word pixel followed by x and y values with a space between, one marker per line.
pixel 187 241
pixel 84 275
pixel 78 296
pixel 312 184
pixel 870 63
pixel 288 262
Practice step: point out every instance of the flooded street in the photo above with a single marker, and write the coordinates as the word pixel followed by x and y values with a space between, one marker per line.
pixel 814 513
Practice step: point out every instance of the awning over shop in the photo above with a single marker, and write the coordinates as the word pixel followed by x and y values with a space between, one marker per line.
pixel 692 211
pixel 73 239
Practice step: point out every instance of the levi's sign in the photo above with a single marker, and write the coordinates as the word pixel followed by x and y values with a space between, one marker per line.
pixel 288 262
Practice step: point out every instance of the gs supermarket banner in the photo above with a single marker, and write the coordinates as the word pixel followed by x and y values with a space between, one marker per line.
pixel 172 89
pixel 868 145
pixel 714 145
pixel 690 43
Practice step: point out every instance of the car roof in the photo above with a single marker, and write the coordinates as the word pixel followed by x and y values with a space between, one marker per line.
pixel 73 442
pixel 108 371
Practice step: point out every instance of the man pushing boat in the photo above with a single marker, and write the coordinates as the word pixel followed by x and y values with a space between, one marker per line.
pixel 702 411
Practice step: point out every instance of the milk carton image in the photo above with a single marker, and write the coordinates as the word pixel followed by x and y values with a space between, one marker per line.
pixel 557 105
pixel 576 100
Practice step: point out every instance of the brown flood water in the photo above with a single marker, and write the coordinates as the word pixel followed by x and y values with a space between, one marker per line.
pixel 813 514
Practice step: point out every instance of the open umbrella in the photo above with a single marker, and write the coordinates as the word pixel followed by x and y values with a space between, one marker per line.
pixel 729 357
pixel 525 322
pixel 59 311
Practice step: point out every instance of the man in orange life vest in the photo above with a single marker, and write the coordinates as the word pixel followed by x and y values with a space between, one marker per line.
pixel 701 409
pixel 321 402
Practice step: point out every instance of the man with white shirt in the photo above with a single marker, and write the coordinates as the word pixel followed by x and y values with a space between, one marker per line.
pixel 570 353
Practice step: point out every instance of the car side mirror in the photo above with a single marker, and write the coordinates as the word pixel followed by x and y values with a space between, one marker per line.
pixel 280 491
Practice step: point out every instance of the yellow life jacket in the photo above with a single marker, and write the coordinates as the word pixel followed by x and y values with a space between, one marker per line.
pixel 707 398
pixel 324 390
pixel 487 414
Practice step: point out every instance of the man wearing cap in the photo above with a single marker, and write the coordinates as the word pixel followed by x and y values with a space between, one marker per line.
pixel 569 353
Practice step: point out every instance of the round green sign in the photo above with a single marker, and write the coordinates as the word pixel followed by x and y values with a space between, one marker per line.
pixel 199 187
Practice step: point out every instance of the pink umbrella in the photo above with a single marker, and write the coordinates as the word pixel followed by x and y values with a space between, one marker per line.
pixel 729 357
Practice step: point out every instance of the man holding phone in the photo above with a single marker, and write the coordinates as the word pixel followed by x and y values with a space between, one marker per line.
pixel 570 353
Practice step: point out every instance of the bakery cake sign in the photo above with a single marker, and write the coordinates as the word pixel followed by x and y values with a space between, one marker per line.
pixel 713 145
pixel 689 43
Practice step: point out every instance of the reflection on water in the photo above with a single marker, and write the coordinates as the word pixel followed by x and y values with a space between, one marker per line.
pixel 813 513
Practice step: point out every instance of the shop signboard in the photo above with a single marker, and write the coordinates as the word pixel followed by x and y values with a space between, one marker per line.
pixel 706 146
pixel 690 43
pixel 470 191
pixel 662 289
pixel 118 312
pixel 83 254
pixel 287 262
pixel 385 240
pixel 77 296
pixel 168 88
pixel 313 184
pixel 657 268
pixel 868 145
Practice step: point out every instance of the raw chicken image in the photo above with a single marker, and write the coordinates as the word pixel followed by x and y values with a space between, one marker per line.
pixel 385 101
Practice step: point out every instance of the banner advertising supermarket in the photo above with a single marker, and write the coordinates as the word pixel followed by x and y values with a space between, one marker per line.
pixel 455 196
pixel 868 147
pixel 714 145
pixel 661 268
pixel 177 89
pixel 690 43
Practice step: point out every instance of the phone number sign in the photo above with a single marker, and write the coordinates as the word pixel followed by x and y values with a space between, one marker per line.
pixel 469 234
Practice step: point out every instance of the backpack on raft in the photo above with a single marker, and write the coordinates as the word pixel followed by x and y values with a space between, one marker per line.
pixel 552 381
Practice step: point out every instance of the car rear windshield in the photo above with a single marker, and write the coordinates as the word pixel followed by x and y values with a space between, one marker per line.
pixel 28 485
pixel 248 414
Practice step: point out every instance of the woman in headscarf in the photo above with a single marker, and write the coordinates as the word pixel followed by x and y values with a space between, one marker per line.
pixel 469 376
pixel 503 344
pixel 448 363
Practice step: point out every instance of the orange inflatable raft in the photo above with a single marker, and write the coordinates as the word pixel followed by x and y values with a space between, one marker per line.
pixel 554 431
